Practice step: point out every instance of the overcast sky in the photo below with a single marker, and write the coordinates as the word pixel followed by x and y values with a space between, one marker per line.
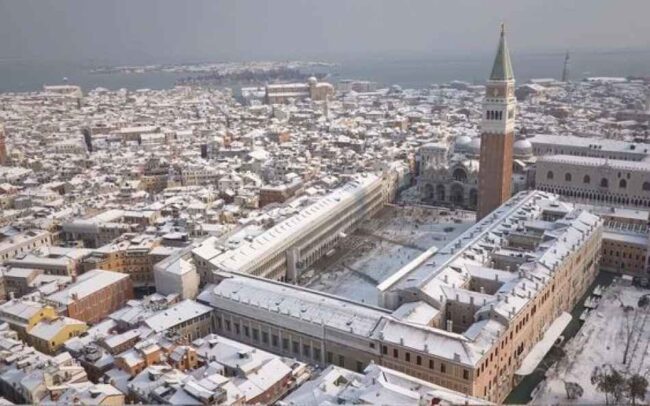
pixel 139 31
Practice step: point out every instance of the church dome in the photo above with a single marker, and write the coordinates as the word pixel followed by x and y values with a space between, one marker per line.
pixel 312 80
pixel 461 143
pixel 474 147
pixel 522 149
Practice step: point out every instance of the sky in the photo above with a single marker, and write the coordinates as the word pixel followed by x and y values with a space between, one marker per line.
pixel 150 31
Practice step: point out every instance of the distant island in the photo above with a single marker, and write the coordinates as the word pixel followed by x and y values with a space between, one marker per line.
pixel 229 72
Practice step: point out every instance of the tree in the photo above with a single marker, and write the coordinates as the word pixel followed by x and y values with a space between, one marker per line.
pixel 629 329
pixel 573 390
pixel 616 383
pixel 636 387
pixel 608 380
pixel 598 380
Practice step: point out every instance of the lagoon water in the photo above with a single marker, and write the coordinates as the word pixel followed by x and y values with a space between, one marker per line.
pixel 420 71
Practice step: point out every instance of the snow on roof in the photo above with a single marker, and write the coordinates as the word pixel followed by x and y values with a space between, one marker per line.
pixel 416 312
pixel 48 329
pixel 640 240
pixel 376 386
pixel 259 369
pixel 23 309
pixel 87 284
pixel 589 143
pixel 261 298
pixel 177 314
pixel 639 166
pixel 249 255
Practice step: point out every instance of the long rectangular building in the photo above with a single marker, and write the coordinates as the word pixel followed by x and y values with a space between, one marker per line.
pixel 291 246
pixel 473 317
pixel 595 180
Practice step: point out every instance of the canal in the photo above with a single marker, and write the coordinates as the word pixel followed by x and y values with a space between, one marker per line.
pixel 521 394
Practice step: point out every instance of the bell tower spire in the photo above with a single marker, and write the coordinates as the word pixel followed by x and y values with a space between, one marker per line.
pixel 497 132
pixel 502 67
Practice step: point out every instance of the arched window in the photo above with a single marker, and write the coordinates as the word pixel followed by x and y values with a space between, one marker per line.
pixel 459 175
pixel 567 177
pixel 604 182
pixel 586 179
pixel 622 184
pixel 646 186
pixel 549 175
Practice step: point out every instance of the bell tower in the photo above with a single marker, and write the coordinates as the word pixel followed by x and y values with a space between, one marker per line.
pixel 497 133
pixel 3 147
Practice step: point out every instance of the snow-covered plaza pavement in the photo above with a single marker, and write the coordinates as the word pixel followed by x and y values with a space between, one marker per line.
pixel 602 340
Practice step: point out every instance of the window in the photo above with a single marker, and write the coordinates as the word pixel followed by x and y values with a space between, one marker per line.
pixel 586 179
pixel 274 340
pixel 384 349
pixel 306 350
pixel 418 360
pixel 549 175
pixel 247 332
pixel 296 347
pixel 359 366
pixel 285 344
pixel 604 182
pixel 341 360
pixel 465 374
pixel 395 353
pixel 646 186
pixel 408 357
pixel 622 184
pixel 329 357
pixel 430 364
pixel 443 368
pixel 265 337
pixel 237 329
pixel 567 177
pixel 317 354
pixel 256 334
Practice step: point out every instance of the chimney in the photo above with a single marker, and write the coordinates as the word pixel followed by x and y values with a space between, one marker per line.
pixel 450 325
pixel 482 289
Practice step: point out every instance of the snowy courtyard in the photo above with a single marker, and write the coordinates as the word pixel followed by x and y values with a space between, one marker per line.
pixel 615 324
pixel 381 246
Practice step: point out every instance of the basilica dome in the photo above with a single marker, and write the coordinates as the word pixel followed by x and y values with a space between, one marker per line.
pixel 522 149
pixel 474 147
pixel 461 143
